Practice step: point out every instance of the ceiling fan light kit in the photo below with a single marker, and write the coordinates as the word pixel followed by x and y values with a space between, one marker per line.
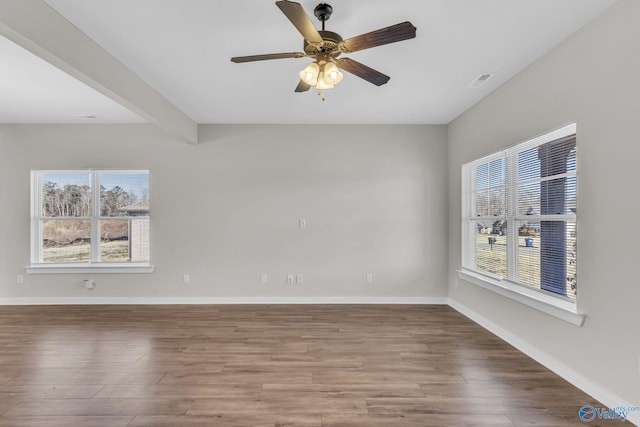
pixel 325 47
pixel 322 74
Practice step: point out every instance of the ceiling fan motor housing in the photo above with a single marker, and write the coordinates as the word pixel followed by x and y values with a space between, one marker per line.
pixel 330 42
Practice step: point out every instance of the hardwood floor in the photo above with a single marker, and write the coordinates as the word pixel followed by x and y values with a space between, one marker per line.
pixel 269 365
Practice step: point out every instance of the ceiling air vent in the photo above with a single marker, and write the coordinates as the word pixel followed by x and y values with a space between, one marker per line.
pixel 480 80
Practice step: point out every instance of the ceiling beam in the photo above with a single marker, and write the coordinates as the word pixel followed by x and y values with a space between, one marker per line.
pixel 38 28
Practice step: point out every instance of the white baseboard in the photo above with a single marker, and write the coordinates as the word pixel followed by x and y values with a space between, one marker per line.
pixel 577 379
pixel 223 300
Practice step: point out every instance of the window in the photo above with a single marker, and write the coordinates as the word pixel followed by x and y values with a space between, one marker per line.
pixel 90 218
pixel 519 215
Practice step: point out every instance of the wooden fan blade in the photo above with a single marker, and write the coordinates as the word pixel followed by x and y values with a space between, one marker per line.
pixel 300 20
pixel 392 34
pixel 302 87
pixel 362 71
pixel 239 59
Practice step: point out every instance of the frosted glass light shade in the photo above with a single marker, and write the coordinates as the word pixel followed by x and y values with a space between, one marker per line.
pixel 332 74
pixel 323 82
pixel 310 74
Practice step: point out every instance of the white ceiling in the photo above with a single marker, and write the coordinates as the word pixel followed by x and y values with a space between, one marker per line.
pixel 33 91
pixel 181 48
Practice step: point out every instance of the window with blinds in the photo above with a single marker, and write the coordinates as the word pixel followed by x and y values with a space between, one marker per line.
pixel 519 214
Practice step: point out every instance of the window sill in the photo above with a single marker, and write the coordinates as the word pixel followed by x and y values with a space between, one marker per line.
pixel 554 306
pixel 96 268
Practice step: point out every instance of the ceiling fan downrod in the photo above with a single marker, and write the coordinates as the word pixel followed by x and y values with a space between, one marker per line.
pixel 323 12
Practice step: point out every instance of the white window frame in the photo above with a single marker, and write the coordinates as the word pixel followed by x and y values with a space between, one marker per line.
pixel 555 305
pixel 37 266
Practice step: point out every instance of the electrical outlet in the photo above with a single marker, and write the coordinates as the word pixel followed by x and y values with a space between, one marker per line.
pixel 369 278
pixel 89 284
pixel 264 278
pixel 302 223
pixel 186 278
pixel 20 279
pixel 299 278
pixel 290 278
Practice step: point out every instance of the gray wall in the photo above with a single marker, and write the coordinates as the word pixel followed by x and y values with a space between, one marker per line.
pixel 226 210
pixel 591 79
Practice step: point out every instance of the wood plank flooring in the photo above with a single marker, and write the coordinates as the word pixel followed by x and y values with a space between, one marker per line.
pixel 267 366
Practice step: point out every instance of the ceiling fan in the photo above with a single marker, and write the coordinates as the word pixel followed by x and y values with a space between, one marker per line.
pixel 325 47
